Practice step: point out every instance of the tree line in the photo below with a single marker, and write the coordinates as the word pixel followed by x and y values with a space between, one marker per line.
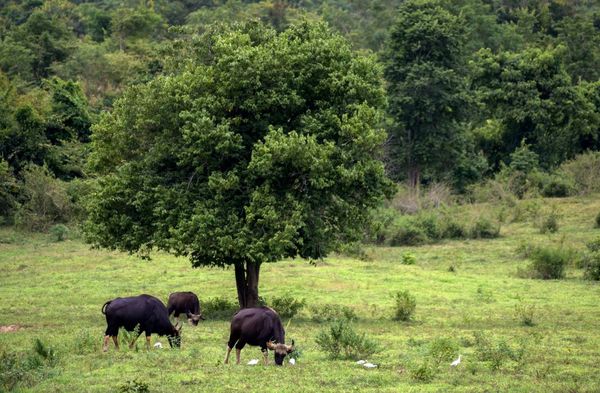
pixel 265 137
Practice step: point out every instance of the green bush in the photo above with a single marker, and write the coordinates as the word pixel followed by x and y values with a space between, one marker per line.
pixel 591 265
pixel 341 341
pixel 549 263
pixel 59 232
pixel 555 186
pixel 408 234
pixel 430 224
pixel 422 372
pixel 598 220
pixel 18 370
pixel 219 308
pixel 496 353
pixel 443 350
pixel 583 170
pixel 525 313
pixel 549 224
pixel 331 312
pixel 287 306
pixel 594 245
pixel 134 386
pixel 484 228
pixel 47 202
pixel 454 229
pixel 405 306
pixel 8 192
pixel 408 258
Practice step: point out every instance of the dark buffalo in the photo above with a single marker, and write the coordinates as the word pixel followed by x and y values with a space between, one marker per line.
pixel 185 303
pixel 146 311
pixel 261 327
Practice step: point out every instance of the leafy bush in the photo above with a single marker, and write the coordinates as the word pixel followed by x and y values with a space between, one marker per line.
pixel 59 232
pixel 484 228
pixel 423 372
pixel 340 341
pixel 408 234
pixel 405 306
pixel 598 220
pixel 219 308
pixel 430 224
pixel 549 223
pixel 8 192
pixel 46 203
pixel 591 265
pixel 408 258
pixel 134 386
pixel 454 229
pixel 557 186
pixel 525 313
pixel 496 353
pixel 287 306
pixel 331 312
pixel 584 170
pixel 443 350
pixel 594 245
pixel 549 263
pixel 26 369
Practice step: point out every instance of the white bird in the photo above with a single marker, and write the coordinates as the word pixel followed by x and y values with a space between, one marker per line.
pixel 292 361
pixel 456 362
pixel 253 362
pixel 369 365
pixel 158 345
pixel 361 362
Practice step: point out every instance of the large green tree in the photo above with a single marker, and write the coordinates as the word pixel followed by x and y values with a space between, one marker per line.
pixel 426 87
pixel 255 146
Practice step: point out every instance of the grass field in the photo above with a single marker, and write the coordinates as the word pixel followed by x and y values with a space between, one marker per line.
pixel 54 292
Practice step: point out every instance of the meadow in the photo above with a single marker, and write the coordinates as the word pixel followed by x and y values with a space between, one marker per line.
pixel 471 300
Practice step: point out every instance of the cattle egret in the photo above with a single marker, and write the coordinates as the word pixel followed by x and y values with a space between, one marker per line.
pixel 369 365
pixel 158 345
pixel 253 362
pixel 292 361
pixel 361 362
pixel 456 362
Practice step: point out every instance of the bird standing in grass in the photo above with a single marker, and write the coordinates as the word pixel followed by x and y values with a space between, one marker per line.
pixel 456 362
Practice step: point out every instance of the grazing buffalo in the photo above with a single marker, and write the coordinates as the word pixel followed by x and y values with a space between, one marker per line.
pixel 260 327
pixel 185 303
pixel 145 311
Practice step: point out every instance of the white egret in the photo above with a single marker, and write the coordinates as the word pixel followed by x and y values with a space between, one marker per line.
pixel 456 362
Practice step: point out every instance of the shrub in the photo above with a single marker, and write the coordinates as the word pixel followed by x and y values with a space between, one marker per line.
pixel 408 234
pixel 405 306
pixel 408 258
pixel 525 313
pixel 26 369
pixel 430 224
pixel 8 192
pixel 443 350
pixel 584 170
pixel 46 203
pixel 484 228
pixel 598 220
pixel 287 306
pixel 219 308
pixel 423 372
pixel 557 186
pixel 134 386
pixel 549 224
pixel 496 353
pixel 340 341
pixel 59 232
pixel 330 312
pixel 594 245
pixel 591 266
pixel 549 263
pixel 453 229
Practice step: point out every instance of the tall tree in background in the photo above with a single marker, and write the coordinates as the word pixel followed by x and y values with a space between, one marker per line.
pixel 427 91
pixel 256 146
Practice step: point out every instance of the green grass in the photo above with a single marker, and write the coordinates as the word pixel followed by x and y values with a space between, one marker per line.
pixel 54 292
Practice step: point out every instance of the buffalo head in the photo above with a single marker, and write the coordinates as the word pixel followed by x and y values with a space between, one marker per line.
pixel 281 350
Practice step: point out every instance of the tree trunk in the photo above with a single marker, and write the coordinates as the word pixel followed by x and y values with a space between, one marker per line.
pixel 246 281
pixel 414 177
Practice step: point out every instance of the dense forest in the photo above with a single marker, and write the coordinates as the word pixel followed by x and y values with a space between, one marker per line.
pixel 477 90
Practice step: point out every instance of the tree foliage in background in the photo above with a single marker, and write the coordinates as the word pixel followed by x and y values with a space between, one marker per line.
pixel 426 88
pixel 255 146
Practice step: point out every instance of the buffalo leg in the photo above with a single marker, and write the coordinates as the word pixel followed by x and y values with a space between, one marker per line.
pixel 147 342
pixel 227 355
pixel 265 356
pixel 116 341
pixel 105 346
pixel 237 355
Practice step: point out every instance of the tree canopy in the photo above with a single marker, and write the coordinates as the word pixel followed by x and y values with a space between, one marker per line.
pixel 255 146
